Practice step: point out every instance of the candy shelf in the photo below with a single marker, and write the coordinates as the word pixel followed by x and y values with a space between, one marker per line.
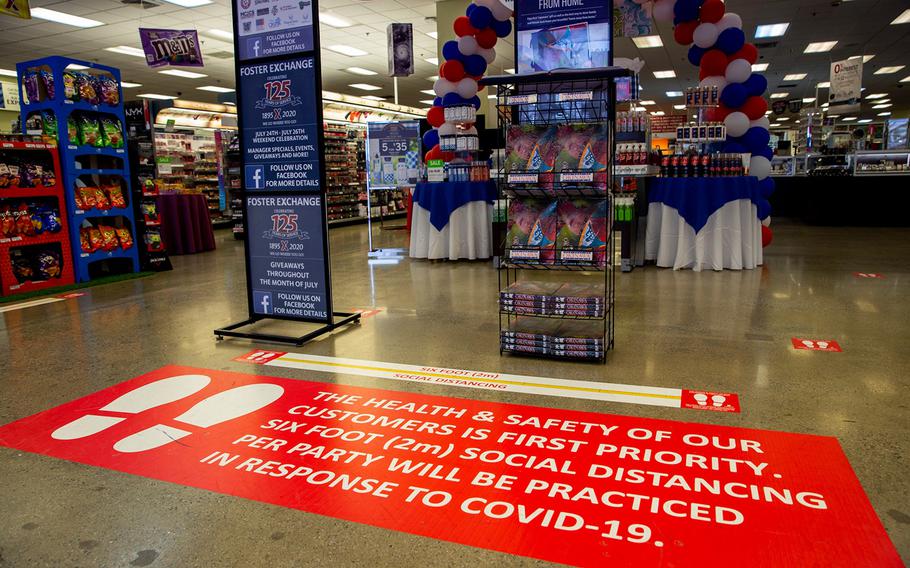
pixel 73 157
pixel 19 246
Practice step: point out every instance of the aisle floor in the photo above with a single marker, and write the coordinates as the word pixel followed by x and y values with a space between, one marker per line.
pixel 727 331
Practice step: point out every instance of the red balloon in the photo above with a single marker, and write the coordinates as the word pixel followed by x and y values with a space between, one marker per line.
pixel 463 26
pixel 755 107
pixel 447 156
pixel 722 111
pixel 683 32
pixel 766 236
pixel 713 63
pixel 436 116
pixel 452 70
pixel 486 38
pixel 712 11
pixel 748 52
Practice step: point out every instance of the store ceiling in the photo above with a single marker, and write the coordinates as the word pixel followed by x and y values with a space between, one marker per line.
pixel 861 27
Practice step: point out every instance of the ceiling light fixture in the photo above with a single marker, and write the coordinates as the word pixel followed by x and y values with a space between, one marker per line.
pixel 221 34
pixel 430 102
pixel 215 89
pixel 373 98
pixel 365 87
pixel 864 121
pixel 433 78
pixel 866 58
pixel 658 113
pixel 886 113
pixel 430 92
pixel 126 50
pixel 63 18
pixel 795 77
pixel 646 42
pixel 347 50
pixel 904 18
pixel 510 70
pixel 673 94
pixel 189 3
pixel 432 60
pixel 759 67
pixel 77 67
pixel 433 35
pixel 679 107
pixel 668 74
pixel 906 79
pixel 11 73
pixel 824 85
pixel 808 100
pixel 780 95
pixel 647 103
pixel 848 119
pixel 360 71
pixel 771 30
pixel 334 21
pixel 877 96
pixel 889 70
pixel 820 47
pixel 881 106
pixel 156 97
pixel 184 74
pixel 127 85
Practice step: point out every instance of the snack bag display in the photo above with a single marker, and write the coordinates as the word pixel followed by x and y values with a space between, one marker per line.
pixel 101 200
pixel 49 123
pixel 22 269
pixel 30 85
pixel 87 197
pixel 153 241
pixel 87 92
pixel 49 265
pixel 4 175
pixel 24 226
pixel 108 237
pixel 70 88
pixel 115 194
pixel 111 132
pixel 72 130
pixel 126 239
pixel 48 177
pixel 30 175
pixel 15 180
pixel 47 79
pixel 96 238
pixel 50 219
pixel 89 132
pixel 37 219
pixel 532 223
pixel 85 240
pixel 110 94
pixel 7 223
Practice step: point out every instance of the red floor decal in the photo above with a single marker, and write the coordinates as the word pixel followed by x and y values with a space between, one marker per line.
pixel 874 275
pixel 816 345
pixel 578 488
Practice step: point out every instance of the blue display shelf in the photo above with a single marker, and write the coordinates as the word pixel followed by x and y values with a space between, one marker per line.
pixel 62 109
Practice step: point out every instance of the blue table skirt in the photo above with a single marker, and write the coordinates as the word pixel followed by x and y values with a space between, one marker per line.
pixel 441 199
pixel 696 199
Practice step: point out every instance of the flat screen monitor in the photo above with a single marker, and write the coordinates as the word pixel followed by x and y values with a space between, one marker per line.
pixel 562 34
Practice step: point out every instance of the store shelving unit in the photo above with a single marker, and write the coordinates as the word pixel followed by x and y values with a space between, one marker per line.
pixel 90 164
pixel 571 284
pixel 233 183
pixel 15 153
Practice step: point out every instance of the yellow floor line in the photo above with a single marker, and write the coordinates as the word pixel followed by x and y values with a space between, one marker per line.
pixel 497 381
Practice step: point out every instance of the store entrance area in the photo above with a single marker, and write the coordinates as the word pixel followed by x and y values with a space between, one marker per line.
pixel 721 332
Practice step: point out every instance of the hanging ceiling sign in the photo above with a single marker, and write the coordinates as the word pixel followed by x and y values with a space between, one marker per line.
pixel 17 8
pixel 179 48
pixel 846 86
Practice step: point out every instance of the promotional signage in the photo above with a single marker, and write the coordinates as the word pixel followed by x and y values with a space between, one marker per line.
pixel 287 256
pixel 668 123
pixel 846 85
pixel 266 28
pixel 171 47
pixel 562 34
pixel 280 126
pixel 571 487
pixel 393 153
pixel 17 8
pixel 631 19
pixel 816 345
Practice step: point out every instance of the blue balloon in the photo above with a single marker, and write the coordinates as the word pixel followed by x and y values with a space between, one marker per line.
pixel 734 147
pixel 437 101
pixel 475 65
pixel 695 55
pixel 764 209
pixel 450 51
pixel 503 28
pixel 481 17
pixel 767 187
pixel 686 10
pixel 430 138
pixel 734 95
pixel 470 9
pixel 766 152
pixel 730 40
pixel 452 99
pixel 475 102
pixel 756 85
pixel 756 138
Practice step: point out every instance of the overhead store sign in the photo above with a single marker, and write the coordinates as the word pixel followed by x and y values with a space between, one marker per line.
pixel 266 28
pixel 577 488
pixel 846 86
pixel 179 48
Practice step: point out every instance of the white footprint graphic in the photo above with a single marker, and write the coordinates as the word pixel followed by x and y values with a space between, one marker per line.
pixel 138 400
pixel 217 408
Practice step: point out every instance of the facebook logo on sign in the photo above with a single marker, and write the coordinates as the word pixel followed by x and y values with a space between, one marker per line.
pixel 262 302
pixel 255 177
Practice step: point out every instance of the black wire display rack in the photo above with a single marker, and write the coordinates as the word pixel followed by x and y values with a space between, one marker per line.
pixel 536 283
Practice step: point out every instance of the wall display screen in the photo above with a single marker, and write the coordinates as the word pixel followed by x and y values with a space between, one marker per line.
pixel 393 154
pixel 563 34
pixel 897 133
pixel 266 28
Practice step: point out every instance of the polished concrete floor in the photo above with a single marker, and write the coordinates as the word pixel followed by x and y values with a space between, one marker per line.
pixel 725 331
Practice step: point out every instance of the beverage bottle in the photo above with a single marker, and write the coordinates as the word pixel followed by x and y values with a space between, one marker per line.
pixel 665 166
pixel 705 165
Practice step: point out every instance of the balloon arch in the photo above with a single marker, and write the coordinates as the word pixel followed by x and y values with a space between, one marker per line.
pixel 718 48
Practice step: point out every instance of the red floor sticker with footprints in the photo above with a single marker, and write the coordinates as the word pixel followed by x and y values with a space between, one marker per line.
pixel 578 488
pixel 869 275
pixel 816 345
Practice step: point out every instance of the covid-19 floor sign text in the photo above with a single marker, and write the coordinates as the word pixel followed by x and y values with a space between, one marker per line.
pixel 573 487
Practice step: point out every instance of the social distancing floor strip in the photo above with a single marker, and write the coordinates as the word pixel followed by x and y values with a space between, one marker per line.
pixel 38 302
pixel 501 382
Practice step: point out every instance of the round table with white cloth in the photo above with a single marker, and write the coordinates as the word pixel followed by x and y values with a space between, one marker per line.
pixel 453 220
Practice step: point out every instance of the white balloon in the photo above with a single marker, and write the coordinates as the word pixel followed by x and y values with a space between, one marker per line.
pixel 488 54
pixel 467 88
pixel 738 71
pixel 737 124
pixel 467 45
pixel 729 20
pixel 759 167
pixel 663 10
pixel 762 122
pixel 767 221
pixel 714 81
pixel 705 35
pixel 443 87
pixel 487 3
pixel 447 129
pixel 500 11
